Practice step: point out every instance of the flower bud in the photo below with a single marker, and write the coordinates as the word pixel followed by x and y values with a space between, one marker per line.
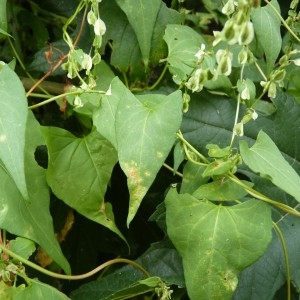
pixel 78 102
pixel 246 89
pixel 296 62
pixel 91 17
pixel 200 54
pixel 96 58
pixel 99 27
pixel 272 90
pixel 186 100
pixel 238 129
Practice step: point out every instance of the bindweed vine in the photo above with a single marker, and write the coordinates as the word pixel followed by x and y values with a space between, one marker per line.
pixel 184 113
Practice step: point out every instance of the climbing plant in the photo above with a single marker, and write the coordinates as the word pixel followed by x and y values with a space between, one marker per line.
pixel 149 149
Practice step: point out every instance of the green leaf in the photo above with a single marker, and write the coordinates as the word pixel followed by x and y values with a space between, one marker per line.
pixel 39 290
pixel 138 288
pixel 178 155
pixel 217 152
pixel 265 158
pixel 218 167
pixel 31 220
pixel 103 75
pixel 165 16
pixel 221 190
pixel 183 43
pixel 160 260
pixel 126 53
pixel 268 274
pixel 142 23
pixel 13 117
pixel 9 292
pixel 70 158
pixel 192 178
pixel 267 30
pixel 3 19
pixel 130 292
pixel 104 118
pixel 146 131
pixel 22 247
pixel 207 235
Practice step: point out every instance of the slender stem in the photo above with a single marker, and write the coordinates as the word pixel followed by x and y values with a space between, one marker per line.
pixel 47 74
pixel 283 21
pixel 62 96
pixel 261 71
pixel 171 169
pixel 37 95
pixel 22 64
pixel 125 80
pixel 185 142
pixel 49 86
pixel 81 27
pixel 161 76
pixel 72 277
pixel 237 112
pixel 286 257
pixel 52 99
pixel 264 198
pixel 16 53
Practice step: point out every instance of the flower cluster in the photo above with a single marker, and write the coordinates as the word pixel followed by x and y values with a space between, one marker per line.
pixel 77 59
pixel 239 28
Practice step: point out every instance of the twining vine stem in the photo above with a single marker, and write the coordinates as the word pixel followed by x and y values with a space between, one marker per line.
pixel 73 277
pixel 286 257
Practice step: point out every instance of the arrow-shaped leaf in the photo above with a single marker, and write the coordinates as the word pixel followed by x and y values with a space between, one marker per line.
pixel 142 16
pixel 145 131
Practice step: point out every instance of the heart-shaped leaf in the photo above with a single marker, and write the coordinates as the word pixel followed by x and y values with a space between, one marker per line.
pixel 71 158
pixel 216 242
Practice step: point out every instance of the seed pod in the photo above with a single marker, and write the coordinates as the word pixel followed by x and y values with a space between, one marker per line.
pixel 247 34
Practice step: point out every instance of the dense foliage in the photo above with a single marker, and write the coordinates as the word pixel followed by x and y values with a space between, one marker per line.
pixel 150 149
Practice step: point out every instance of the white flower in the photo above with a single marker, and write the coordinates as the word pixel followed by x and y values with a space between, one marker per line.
pixel 200 54
pixel 254 115
pixel 78 102
pixel 238 129
pixel 91 17
pixel 99 27
pixel 87 62
pixel 245 94
pixel 296 62
pixel 218 37
pixel 228 8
